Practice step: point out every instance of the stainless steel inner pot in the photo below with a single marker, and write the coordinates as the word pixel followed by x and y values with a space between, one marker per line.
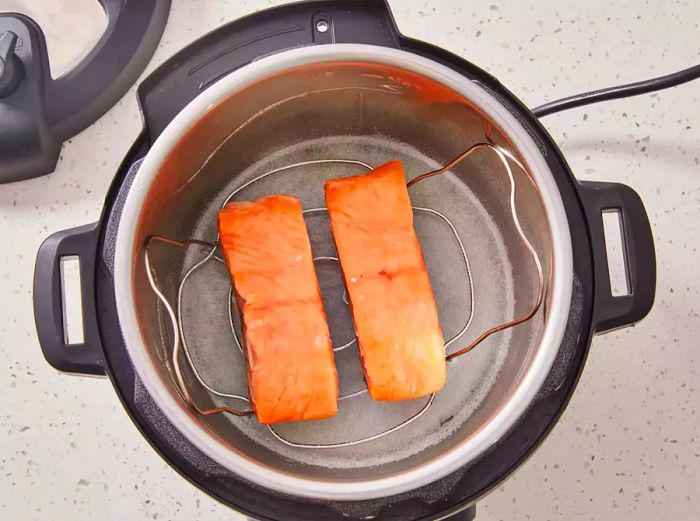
pixel 369 104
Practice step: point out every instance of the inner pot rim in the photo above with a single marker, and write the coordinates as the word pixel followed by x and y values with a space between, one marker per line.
pixel 126 262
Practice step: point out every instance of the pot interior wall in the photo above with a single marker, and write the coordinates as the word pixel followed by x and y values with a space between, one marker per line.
pixel 371 113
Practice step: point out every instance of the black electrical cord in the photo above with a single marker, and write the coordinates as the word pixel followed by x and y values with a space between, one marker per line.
pixel 621 91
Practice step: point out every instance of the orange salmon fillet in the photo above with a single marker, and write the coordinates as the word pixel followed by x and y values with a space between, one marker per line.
pixel 291 370
pixel 396 321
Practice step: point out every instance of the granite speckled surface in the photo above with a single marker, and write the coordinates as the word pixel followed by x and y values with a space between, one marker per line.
pixel 627 448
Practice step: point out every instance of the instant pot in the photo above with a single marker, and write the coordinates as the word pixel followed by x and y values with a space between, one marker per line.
pixel 311 82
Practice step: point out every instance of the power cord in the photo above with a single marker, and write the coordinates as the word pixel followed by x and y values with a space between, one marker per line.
pixel 621 91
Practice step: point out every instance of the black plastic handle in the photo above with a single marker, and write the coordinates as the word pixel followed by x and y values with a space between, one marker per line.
pixel 38 113
pixel 85 93
pixel 85 358
pixel 612 312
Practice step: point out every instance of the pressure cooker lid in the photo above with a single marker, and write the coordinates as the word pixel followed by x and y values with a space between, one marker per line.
pixel 37 112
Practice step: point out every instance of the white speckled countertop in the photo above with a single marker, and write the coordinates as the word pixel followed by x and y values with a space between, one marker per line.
pixel 628 446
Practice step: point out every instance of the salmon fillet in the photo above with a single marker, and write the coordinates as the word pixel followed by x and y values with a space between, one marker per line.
pixel 396 321
pixel 291 370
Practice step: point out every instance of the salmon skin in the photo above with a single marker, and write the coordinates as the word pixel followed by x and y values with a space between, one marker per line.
pixel 291 370
pixel 396 320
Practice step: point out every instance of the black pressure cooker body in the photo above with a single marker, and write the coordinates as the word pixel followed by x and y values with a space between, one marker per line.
pixel 179 80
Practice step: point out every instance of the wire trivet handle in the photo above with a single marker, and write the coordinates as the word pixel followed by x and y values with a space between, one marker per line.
pixel 503 155
pixel 182 388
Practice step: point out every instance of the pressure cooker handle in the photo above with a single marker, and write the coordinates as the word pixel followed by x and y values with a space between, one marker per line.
pixel 610 311
pixel 37 112
pixel 81 96
pixel 85 358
